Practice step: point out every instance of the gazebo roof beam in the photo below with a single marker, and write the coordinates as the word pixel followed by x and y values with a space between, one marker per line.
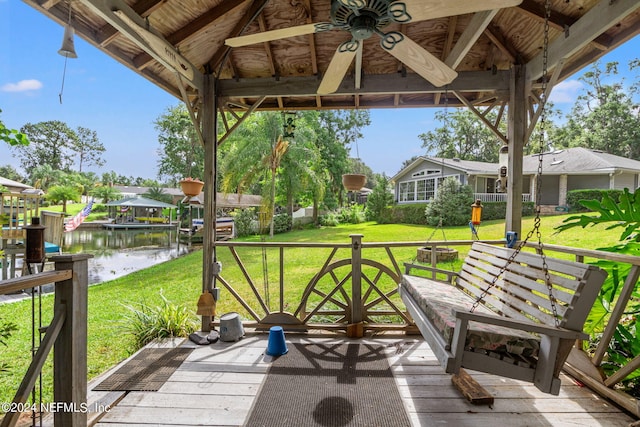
pixel 120 15
pixel 143 8
pixel 595 22
pixel 469 81
pixel 193 27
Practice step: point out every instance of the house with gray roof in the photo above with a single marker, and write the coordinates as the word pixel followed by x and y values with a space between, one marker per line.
pixel 562 171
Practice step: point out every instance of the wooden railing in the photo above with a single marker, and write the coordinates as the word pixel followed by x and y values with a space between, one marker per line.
pixel 586 368
pixel 498 197
pixel 68 331
pixel 355 288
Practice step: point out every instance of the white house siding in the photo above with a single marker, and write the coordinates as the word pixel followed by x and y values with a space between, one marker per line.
pixel 625 180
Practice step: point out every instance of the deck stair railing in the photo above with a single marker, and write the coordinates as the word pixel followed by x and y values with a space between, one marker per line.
pixel 66 334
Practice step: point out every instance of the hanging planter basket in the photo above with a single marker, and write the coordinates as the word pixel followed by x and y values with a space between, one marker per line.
pixel 191 187
pixel 354 181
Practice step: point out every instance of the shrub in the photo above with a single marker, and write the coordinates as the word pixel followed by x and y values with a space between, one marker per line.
pixel 378 200
pixel 163 321
pixel 282 223
pixel 6 329
pixel 452 204
pixel 329 219
pixel 574 197
pixel 244 221
pixel 407 214
pixel 353 214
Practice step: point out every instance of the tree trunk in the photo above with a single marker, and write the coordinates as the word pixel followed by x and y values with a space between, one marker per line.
pixel 273 201
pixel 315 211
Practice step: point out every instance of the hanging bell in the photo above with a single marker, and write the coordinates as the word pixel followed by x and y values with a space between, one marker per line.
pixel 206 304
pixel 68 50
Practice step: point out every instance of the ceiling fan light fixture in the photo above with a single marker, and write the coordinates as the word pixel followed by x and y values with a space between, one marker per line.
pixel 362 26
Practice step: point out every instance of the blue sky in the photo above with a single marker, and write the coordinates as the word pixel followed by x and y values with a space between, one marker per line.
pixel 103 95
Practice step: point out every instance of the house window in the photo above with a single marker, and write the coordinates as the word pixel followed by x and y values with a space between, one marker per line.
pixel 431 188
pixel 421 190
pixel 407 191
pixel 425 172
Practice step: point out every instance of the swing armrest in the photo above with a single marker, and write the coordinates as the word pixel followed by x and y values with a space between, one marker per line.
pixel 522 325
pixel 451 275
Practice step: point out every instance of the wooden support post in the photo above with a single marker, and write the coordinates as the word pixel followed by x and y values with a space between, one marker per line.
pixel 210 151
pixel 516 135
pixel 355 328
pixel 70 349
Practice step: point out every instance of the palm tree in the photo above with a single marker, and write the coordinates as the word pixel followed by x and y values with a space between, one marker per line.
pixel 255 154
pixel 157 193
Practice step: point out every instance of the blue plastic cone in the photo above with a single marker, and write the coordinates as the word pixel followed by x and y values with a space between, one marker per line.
pixel 277 345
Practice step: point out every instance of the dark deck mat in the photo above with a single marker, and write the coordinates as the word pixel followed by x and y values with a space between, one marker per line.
pixel 146 371
pixel 329 385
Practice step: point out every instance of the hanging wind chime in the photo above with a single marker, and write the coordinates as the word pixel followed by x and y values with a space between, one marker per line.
pixel 68 49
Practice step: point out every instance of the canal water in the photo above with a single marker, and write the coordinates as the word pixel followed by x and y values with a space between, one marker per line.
pixel 119 252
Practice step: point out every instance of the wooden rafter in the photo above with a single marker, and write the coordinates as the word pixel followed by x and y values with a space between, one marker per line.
pixel 593 23
pixel 120 15
pixel 144 8
pixel 469 37
pixel 312 39
pixel 194 27
pixel 448 45
pixel 542 102
pixel 499 41
pixel 252 13
pixel 558 21
pixel 232 109
pixel 492 126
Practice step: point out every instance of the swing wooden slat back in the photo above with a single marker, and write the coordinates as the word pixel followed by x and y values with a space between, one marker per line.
pixel 520 291
pixel 514 296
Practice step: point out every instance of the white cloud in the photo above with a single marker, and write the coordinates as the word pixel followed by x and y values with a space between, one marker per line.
pixel 22 86
pixel 566 92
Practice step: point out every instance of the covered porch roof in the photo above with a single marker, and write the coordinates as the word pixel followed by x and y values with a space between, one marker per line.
pixel 174 43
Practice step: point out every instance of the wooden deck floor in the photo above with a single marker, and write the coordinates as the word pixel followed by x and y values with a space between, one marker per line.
pixel 218 383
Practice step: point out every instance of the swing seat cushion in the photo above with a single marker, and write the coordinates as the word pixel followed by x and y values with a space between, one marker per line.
pixel 439 302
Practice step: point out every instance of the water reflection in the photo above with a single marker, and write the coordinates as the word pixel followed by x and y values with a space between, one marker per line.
pixel 120 252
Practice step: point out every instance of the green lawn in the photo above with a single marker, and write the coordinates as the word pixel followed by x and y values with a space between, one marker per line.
pixel 180 282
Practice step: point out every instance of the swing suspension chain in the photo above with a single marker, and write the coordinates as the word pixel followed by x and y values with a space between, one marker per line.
pixel 446 123
pixel 537 220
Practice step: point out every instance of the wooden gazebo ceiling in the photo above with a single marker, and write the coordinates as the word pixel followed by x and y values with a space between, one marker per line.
pixel 174 42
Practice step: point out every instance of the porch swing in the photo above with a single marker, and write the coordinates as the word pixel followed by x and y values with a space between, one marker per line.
pixel 507 312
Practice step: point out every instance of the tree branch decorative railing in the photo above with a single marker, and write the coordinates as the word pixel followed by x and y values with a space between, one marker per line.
pixel 66 334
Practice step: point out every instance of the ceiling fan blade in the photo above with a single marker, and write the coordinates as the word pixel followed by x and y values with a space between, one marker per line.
pixel 338 67
pixel 283 33
pixel 420 10
pixel 418 59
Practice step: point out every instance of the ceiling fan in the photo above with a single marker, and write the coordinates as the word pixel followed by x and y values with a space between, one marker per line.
pixel 363 18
